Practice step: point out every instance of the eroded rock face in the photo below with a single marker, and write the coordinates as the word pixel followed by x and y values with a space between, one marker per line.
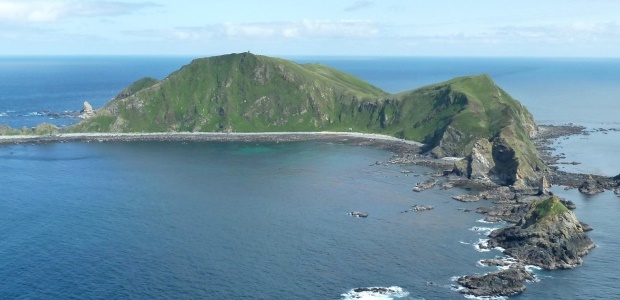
pixel 481 162
pixel 548 236
pixel 497 161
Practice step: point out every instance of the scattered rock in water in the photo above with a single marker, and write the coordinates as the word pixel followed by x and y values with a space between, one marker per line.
pixel 422 207
pixel 591 186
pixel 494 262
pixel 425 185
pixel 495 284
pixel 466 198
pixel 358 214
pixel 569 204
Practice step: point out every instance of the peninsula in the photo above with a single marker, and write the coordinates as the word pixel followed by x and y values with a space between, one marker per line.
pixel 484 136
pixel 251 93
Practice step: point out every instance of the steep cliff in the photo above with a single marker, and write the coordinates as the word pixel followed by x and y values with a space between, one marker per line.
pixel 251 93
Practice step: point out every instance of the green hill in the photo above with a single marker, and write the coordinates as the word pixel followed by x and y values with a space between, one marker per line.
pixel 252 93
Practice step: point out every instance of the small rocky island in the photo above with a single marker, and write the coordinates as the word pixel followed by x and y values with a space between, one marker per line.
pixel 548 236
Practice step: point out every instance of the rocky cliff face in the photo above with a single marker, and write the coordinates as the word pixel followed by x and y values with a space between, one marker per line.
pixel 548 236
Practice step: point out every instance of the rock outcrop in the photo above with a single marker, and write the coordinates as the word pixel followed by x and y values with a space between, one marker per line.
pixel 425 185
pixel 591 186
pixel 548 236
pixel 87 111
pixel 503 160
pixel 466 198
pixel 499 283
pixel 422 207
pixel 358 214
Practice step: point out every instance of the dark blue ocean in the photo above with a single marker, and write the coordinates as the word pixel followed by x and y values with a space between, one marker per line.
pixel 155 220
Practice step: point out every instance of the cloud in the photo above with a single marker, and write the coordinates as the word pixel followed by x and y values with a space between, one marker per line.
pixel 38 11
pixel 571 32
pixel 267 30
pixel 359 5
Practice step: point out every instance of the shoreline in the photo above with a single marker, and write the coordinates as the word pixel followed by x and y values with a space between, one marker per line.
pixel 403 152
pixel 206 137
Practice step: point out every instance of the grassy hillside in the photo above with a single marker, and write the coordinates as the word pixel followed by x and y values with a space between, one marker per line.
pixel 251 93
pixel 238 92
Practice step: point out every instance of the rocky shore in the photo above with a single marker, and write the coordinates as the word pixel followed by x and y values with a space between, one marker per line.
pixel 586 183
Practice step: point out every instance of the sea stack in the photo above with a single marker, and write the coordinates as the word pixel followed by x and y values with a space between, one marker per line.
pixel 87 111
pixel 548 236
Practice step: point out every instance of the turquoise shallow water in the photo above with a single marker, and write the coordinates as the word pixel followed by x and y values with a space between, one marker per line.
pixel 268 221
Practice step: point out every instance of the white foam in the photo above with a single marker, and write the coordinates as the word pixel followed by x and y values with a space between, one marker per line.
pixel 464 243
pixel 392 292
pixel 486 298
pixel 4 115
pixel 484 230
pixel 532 267
pixel 483 221
pixel 481 245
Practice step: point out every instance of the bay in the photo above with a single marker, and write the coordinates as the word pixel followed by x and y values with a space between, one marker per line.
pixel 268 221
pixel 226 221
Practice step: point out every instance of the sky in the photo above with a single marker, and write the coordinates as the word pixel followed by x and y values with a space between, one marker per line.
pixel 486 28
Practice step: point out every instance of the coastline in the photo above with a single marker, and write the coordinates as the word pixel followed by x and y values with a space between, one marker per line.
pixel 208 137
pixel 404 152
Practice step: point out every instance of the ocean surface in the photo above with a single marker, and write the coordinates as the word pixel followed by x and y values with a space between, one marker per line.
pixel 163 220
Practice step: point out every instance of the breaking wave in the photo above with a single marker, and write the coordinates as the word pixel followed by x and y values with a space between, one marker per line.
pixel 392 292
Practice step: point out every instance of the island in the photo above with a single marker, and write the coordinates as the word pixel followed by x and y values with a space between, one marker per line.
pixel 467 127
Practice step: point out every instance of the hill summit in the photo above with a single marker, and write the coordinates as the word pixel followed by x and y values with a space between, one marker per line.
pixel 467 116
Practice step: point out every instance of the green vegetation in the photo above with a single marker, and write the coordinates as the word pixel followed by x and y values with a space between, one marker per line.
pixel 141 84
pixel 45 129
pixel 251 93
pixel 549 207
